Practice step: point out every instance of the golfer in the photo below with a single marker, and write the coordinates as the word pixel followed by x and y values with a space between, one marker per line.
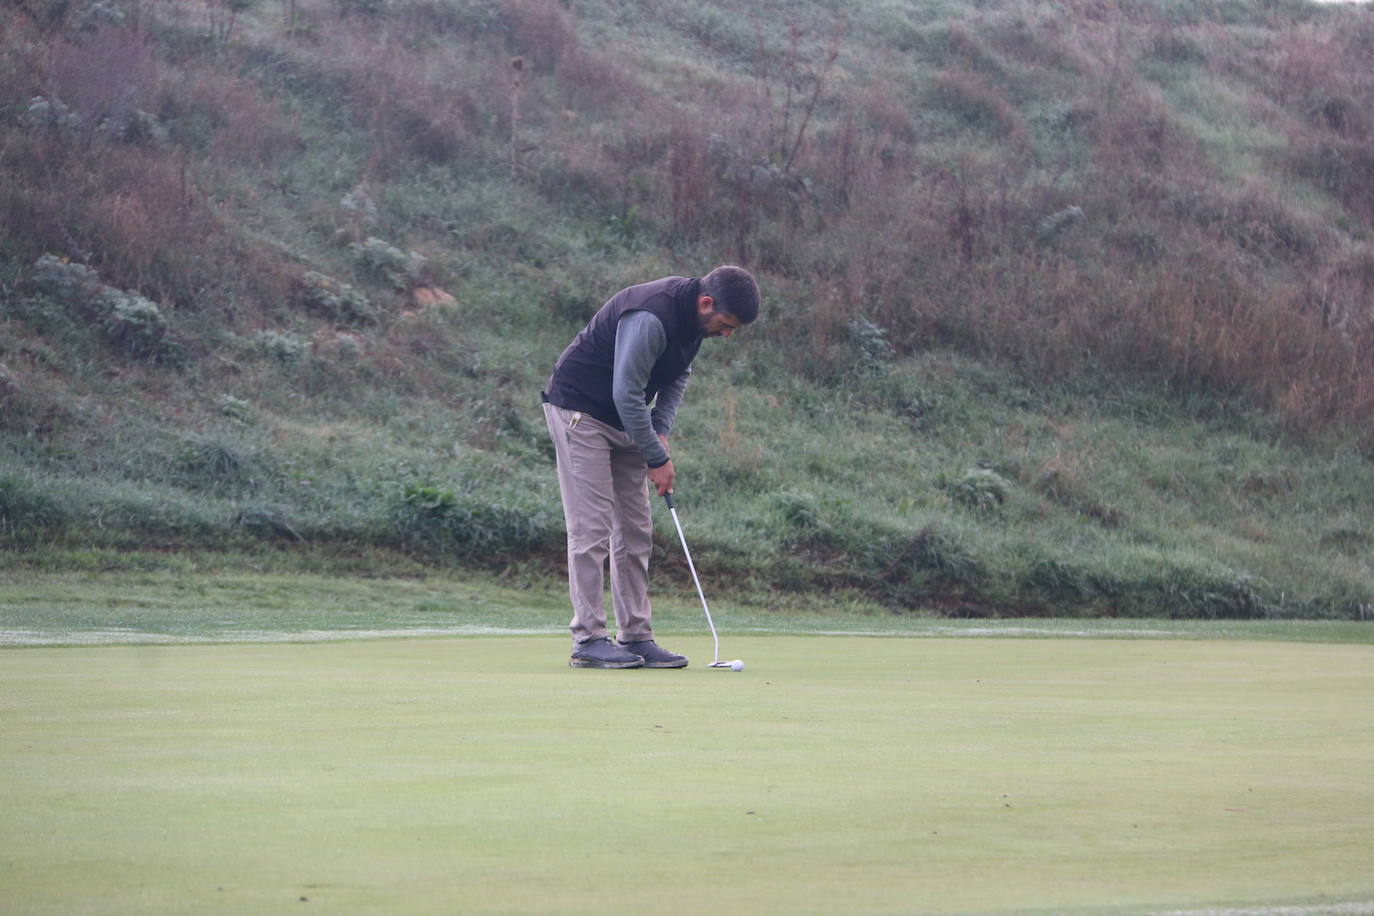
pixel 610 405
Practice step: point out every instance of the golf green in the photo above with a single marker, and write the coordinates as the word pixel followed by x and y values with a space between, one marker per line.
pixel 832 775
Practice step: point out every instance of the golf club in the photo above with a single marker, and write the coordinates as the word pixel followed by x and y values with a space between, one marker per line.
pixel 716 662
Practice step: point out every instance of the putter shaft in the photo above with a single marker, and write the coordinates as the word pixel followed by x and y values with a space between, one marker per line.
pixel 716 662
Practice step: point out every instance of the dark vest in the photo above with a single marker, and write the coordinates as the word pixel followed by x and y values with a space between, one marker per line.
pixel 581 378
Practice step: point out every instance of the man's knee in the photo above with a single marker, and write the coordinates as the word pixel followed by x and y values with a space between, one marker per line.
pixel 635 541
pixel 589 542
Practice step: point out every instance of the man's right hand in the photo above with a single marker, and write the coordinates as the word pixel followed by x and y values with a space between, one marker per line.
pixel 662 477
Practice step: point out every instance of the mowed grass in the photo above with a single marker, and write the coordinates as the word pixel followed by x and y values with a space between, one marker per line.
pixel 854 775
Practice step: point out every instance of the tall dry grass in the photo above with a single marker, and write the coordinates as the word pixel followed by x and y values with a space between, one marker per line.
pixel 941 207
pixel 122 180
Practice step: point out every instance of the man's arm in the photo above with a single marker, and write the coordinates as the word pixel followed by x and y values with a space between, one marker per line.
pixel 639 342
pixel 666 404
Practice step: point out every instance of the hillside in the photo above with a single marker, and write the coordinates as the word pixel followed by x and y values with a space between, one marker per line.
pixel 1068 307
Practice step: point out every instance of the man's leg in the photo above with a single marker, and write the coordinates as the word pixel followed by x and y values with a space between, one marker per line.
pixel 585 482
pixel 631 544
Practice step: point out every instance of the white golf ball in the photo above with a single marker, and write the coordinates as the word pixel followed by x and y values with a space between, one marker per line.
pixel 737 665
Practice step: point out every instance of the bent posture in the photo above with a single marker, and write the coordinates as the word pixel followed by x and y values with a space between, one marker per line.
pixel 610 405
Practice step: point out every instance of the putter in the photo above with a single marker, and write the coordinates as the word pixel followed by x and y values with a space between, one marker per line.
pixel 716 662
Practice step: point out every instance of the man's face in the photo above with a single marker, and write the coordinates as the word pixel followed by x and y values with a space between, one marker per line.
pixel 712 322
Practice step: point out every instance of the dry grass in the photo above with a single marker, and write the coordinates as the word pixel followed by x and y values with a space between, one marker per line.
pixel 835 185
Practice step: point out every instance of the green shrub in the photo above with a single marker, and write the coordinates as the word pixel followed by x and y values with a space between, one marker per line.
pixel 337 301
pixel 473 523
pixel 1062 584
pixel 1186 590
pixel 234 408
pixel 872 351
pixel 52 113
pixel 139 515
pixel 139 328
pixel 932 561
pixel 28 512
pixel 382 262
pixel 285 348
pixel 213 462
pixel 795 519
pixel 979 489
pixel 67 281
pixel 133 324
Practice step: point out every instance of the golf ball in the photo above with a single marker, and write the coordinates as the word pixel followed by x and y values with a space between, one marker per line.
pixel 737 665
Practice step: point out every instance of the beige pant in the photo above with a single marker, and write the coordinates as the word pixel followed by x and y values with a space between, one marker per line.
pixel 604 483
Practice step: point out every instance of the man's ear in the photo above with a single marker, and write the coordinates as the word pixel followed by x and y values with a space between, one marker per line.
pixel 705 304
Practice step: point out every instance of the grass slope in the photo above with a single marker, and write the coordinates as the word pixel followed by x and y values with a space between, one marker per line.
pixel 1066 304
pixel 854 775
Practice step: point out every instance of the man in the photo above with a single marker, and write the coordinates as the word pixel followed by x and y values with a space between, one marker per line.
pixel 610 405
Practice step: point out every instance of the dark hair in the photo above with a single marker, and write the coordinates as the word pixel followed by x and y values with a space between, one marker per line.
pixel 734 290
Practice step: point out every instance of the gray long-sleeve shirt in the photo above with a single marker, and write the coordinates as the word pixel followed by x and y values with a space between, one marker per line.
pixel 639 342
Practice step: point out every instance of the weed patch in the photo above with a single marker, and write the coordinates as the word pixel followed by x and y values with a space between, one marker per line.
pixel 1019 264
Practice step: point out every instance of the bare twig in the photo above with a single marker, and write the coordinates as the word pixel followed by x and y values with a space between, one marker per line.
pixel 811 105
pixel 516 88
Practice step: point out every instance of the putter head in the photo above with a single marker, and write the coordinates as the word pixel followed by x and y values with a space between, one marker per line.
pixel 718 665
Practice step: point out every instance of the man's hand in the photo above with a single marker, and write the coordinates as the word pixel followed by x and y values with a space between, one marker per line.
pixel 662 477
